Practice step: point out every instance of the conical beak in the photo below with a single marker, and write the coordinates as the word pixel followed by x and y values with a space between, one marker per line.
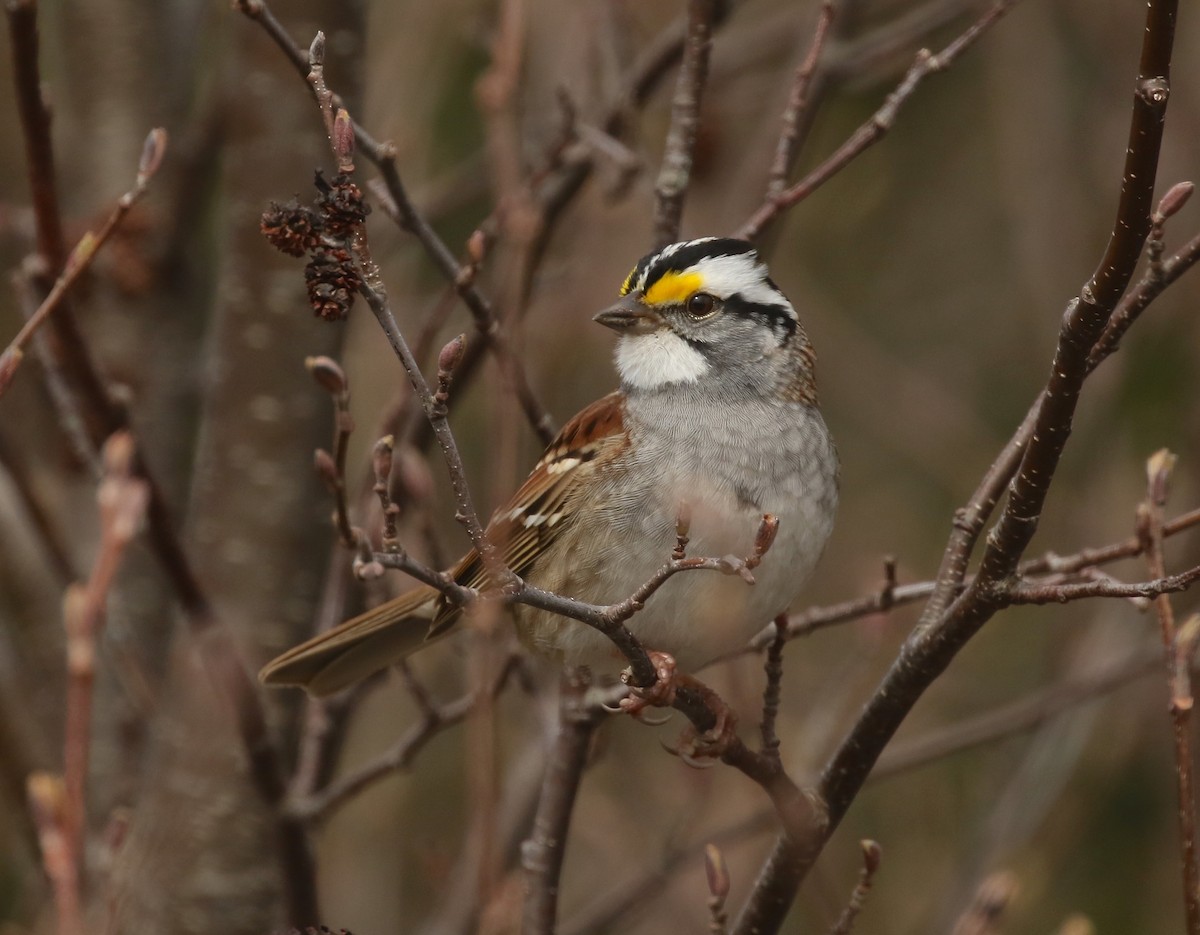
pixel 630 316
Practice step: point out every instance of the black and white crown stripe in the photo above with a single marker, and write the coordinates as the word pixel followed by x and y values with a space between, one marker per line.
pixel 731 271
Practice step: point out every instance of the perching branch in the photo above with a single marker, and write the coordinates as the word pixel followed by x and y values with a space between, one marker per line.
pixel 940 635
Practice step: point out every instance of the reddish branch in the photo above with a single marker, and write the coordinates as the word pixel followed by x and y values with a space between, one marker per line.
pixel 1026 713
pixel 1176 658
pixel 872 853
pixel 47 803
pixel 122 503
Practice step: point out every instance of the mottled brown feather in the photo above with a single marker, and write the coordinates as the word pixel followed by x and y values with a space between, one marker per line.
pixel 593 437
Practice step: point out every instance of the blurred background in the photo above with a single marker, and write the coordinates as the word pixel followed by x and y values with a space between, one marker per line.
pixel 931 275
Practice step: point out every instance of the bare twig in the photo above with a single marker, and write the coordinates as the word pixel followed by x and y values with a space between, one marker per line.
pixel 1158 474
pixel 332 467
pixel 791 135
pixel 1056 593
pixel 543 852
pixel 940 635
pixel 436 413
pixel 1159 275
pixel 898 595
pixel 925 64
pixel 716 874
pixel 400 207
pixel 988 904
pixel 872 853
pixel 675 174
pixel 122 501
pixel 82 255
pixel 434 719
pixel 47 803
pixel 771 691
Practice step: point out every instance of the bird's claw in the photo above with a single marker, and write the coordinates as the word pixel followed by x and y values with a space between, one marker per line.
pixel 659 695
pixel 702 750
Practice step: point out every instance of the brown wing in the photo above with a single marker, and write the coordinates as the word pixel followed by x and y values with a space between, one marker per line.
pixel 542 507
pixel 537 513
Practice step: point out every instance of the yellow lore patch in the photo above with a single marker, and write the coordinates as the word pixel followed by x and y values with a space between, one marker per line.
pixel 673 288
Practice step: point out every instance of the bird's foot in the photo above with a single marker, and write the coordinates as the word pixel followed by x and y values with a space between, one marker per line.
pixel 702 749
pixel 659 695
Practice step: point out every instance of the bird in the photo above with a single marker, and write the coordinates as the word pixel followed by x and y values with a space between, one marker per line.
pixel 716 418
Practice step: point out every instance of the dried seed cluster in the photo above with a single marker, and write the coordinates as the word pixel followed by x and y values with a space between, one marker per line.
pixel 322 231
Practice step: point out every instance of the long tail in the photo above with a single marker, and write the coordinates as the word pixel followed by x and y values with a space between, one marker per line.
pixel 355 649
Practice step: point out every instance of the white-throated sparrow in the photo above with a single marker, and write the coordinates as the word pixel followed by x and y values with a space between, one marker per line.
pixel 717 414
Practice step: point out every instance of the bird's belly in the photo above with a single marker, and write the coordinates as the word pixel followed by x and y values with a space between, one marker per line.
pixel 697 615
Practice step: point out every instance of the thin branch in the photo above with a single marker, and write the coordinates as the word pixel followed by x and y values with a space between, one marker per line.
pixel 872 853
pixel 332 467
pixel 1150 519
pixel 399 206
pixel 89 405
pixel 434 719
pixel 794 126
pixel 772 688
pixel 47 804
pixel 1153 283
pixel 988 905
pixel 436 413
pixel 675 175
pixel 897 595
pixel 122 499
pixel 940 635
pixel 1063 593
pixel 874 129
pixel 82 255
pixel 542 854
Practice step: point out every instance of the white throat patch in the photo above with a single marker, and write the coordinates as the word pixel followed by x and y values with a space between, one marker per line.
pixel 649 361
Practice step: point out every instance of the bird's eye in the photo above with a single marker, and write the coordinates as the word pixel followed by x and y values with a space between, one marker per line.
pixel 700 305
